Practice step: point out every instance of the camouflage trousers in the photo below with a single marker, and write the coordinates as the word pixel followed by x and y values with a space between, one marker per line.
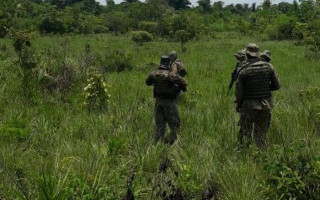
pixel 256 121
pixel 166 111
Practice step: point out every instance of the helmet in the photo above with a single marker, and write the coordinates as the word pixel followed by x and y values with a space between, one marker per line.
pixel 173 55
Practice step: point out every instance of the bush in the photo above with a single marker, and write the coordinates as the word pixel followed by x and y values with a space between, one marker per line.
pixel 282 28
pixel 151 27
pixel 96 92
pixel 291 176
pixel 140 37
pixel 182 36
pixel 115 61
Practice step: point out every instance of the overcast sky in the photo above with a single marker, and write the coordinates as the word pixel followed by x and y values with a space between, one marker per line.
pixel 194 2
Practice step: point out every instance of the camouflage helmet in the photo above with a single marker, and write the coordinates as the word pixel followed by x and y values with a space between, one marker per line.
pixel 173 55
pixel 266 55
pixel 252 50
pixel 240 54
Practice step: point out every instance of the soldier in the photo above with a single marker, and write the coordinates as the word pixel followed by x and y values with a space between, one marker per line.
pixel 241 58
pixel 176 65
pixel 266 56
pixel 167 86
pixel 253 97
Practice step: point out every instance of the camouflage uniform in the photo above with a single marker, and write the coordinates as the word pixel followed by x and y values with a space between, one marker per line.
pixel 253 97
pixel 176 64
pixel 167 86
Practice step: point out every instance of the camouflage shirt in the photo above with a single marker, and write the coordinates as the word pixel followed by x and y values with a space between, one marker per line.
pixel 177 67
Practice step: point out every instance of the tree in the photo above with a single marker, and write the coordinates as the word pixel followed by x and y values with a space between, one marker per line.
pixel 284 7
pixel 182 36
pixel 131 1
pixel 92 6
pixel 179 4
pixel 266 5
pixel 110 3
pixel 253 7
pixel 117 22
pixel 218 7
pixel 205 5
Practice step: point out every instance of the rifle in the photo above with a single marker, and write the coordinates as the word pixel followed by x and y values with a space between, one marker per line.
pixel 234 76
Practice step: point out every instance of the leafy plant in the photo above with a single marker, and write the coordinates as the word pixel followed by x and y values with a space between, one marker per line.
pixel 96 92
pixel 290 176
pixel 182 36
pixel 116 61
pixel 141 37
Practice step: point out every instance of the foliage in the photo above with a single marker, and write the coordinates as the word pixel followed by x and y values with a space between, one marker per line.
pixel 310 98
pixel 182 36
pixel 115 60
pixel 282 28
pixel 140 37
pixel 292 176
pixel 149 26
pixel 96 92
pixel 27 60
pixel 16 129
pixel 98 150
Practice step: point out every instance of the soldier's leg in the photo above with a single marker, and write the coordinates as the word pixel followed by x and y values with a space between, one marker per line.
pixel 173 119
pixel 261 127
pixel 246 126
pixel 160 121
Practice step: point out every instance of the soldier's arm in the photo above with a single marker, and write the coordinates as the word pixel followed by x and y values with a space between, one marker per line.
pixel 149 80
pixel 176 79
pixel 182 70
pixel 183 84
pixel 274 80
pixel 174 67
pixel 240 89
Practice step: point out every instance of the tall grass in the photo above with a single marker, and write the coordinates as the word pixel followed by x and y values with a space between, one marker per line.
pixel 93 154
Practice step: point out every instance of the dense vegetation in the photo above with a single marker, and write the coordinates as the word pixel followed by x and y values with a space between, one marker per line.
pixel 73 127
pixel 164 18
pixel 77 119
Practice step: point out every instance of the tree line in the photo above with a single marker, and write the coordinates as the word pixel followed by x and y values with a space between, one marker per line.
pixel 164 18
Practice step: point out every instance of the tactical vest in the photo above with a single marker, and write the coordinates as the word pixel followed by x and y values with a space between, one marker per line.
pixel 257 85
pixel 163 87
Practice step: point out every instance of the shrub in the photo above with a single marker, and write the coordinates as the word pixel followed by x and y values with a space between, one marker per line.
pixel 96 92
pixel 290 176
pixel 282 28
pixel 151 27
pixel 182 36
pixel 27 59
pixel 140 37
pixel 58 71
pixel 116 61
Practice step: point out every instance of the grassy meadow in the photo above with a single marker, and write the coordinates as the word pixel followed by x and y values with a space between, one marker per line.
pixel 53 148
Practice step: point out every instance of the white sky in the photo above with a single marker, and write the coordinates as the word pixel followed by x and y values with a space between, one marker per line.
pixel 194 2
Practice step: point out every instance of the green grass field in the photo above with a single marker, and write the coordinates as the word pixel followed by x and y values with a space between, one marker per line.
pixel 54 149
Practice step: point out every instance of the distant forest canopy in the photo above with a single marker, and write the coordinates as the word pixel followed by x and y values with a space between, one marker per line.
pixel 163 18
